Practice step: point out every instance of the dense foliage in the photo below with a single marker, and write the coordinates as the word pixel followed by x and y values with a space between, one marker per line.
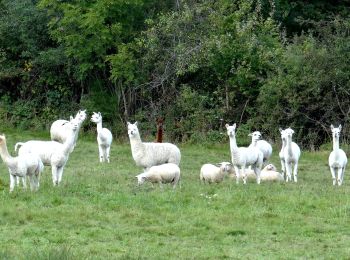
pixel 264 64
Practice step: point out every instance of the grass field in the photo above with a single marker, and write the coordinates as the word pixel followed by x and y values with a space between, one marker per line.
pixel 99 213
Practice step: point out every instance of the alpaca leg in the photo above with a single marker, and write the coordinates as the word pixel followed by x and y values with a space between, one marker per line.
pixel 333 175
pixel 342 174
pixel 12 182
pixel 244 174
pixel 54 175
pixel 32 182
pixel 283 167
pixel 257 173
pixel 100 152
pixel 18 180
pixel 237 174
pixel 24 182
pixel 107 153
pixel 288 171
pixel 339 175
pixel 59 174
pixel 295 172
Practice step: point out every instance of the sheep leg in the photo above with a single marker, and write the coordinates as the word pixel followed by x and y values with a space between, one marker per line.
pixel 333 175
pixel 12 182
pixel 100 152
pixel 295 172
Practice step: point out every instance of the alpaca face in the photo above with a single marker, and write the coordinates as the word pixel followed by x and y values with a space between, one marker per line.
pixel 2 139
pixel 96 117
pixel 81 115
pixel 336 131
pixel 132 129
pixel 283 134
pixel 231 130
pixel 255 135
pixel 289 132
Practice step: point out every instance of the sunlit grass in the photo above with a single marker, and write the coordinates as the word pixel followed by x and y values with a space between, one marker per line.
pixel 99 212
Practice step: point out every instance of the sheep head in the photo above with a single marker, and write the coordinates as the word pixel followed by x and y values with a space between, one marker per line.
pixel 141 178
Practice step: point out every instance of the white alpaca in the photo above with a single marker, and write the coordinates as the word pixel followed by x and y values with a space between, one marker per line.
pixel 51 153
pixel 244 156
pixel 291 155
pixel 21 166
pixel 281 153
pixel 147 155
pixel 263 145
pixel 104 138
pixel 60 131
pixel 337 159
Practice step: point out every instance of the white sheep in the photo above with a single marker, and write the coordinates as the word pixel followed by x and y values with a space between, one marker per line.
pixel 51 152
pixel 104 137
pixel 337 159
pixel 268 174
pixel 28 164
pixel 263 145
pixel 60 131
pixel 243 157
pixel 211 173
pixel 147 155
pixel 291 155
pixel 164 173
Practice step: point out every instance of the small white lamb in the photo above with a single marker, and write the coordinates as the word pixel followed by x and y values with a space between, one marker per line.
pixel 337 159
pixel 60 131
pixel 211 173
pixel 263 145
pixel 104 137
pixel 147 155
pixel 51 153
pixel 164 173
pixel 28 164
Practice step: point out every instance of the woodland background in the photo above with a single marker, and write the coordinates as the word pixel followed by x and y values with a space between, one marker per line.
pixel 197 64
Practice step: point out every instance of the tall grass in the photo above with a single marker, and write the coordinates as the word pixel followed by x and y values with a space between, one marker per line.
pixel 99 213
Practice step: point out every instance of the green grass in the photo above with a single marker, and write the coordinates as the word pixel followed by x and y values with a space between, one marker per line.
pixel 99 213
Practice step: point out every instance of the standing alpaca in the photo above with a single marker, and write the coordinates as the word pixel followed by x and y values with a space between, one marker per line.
pixel 337 159
pixel 263 145
pixel 21 166
pixel 281 153
pixel 104 137
pixel 244 156
pixel 291 154
pixel 147 155
pixel 60 131
pixel 51 153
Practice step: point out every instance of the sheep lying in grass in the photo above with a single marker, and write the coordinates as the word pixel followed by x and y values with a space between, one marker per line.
pixel 164 173
pixel 263 145
pixel 268 174
pixel 211 173
pixel 147 155
pixel 104 138
pixel 51 152
pixel 60 131
pixel 28 164
pixel 337 159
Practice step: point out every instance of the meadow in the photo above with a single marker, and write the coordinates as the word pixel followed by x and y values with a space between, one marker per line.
pixel 98 212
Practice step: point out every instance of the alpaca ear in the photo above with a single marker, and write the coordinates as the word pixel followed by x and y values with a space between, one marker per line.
pixel 128 123
pixel 71 118
pixel 339 127
pixel 227 125
pixel 99 113
pixel 280 129
pixel 234 126
pixel 332 127
pixel 136 123
pixel 250 134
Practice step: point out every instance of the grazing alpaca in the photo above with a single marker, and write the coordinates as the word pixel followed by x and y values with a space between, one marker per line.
pixel 147 155
pixel 291 155
pixel 160 130
pixel 104 137
pixel 244 156
pixel 337 159
pixel 28 164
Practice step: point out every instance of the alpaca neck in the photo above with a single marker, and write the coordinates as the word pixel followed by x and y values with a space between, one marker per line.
pixel 335 144
pixel 67 145
pixel 289 145
pixel 5 156
pixel 234 147
pixel 136 144
pixel 99 127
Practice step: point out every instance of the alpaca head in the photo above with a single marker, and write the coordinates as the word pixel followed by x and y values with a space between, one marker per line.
pixel 336 131
pixel 289 132
pixel 73 123
pixel 132 129
pixel 81 115
pixel 96 117
pixel 283 134
pixel 231 130
pixel 2 139
pixel 255 135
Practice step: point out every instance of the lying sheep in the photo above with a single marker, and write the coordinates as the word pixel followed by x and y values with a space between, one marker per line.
pixel 268 173
pixel 211 173
pixel 164 173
